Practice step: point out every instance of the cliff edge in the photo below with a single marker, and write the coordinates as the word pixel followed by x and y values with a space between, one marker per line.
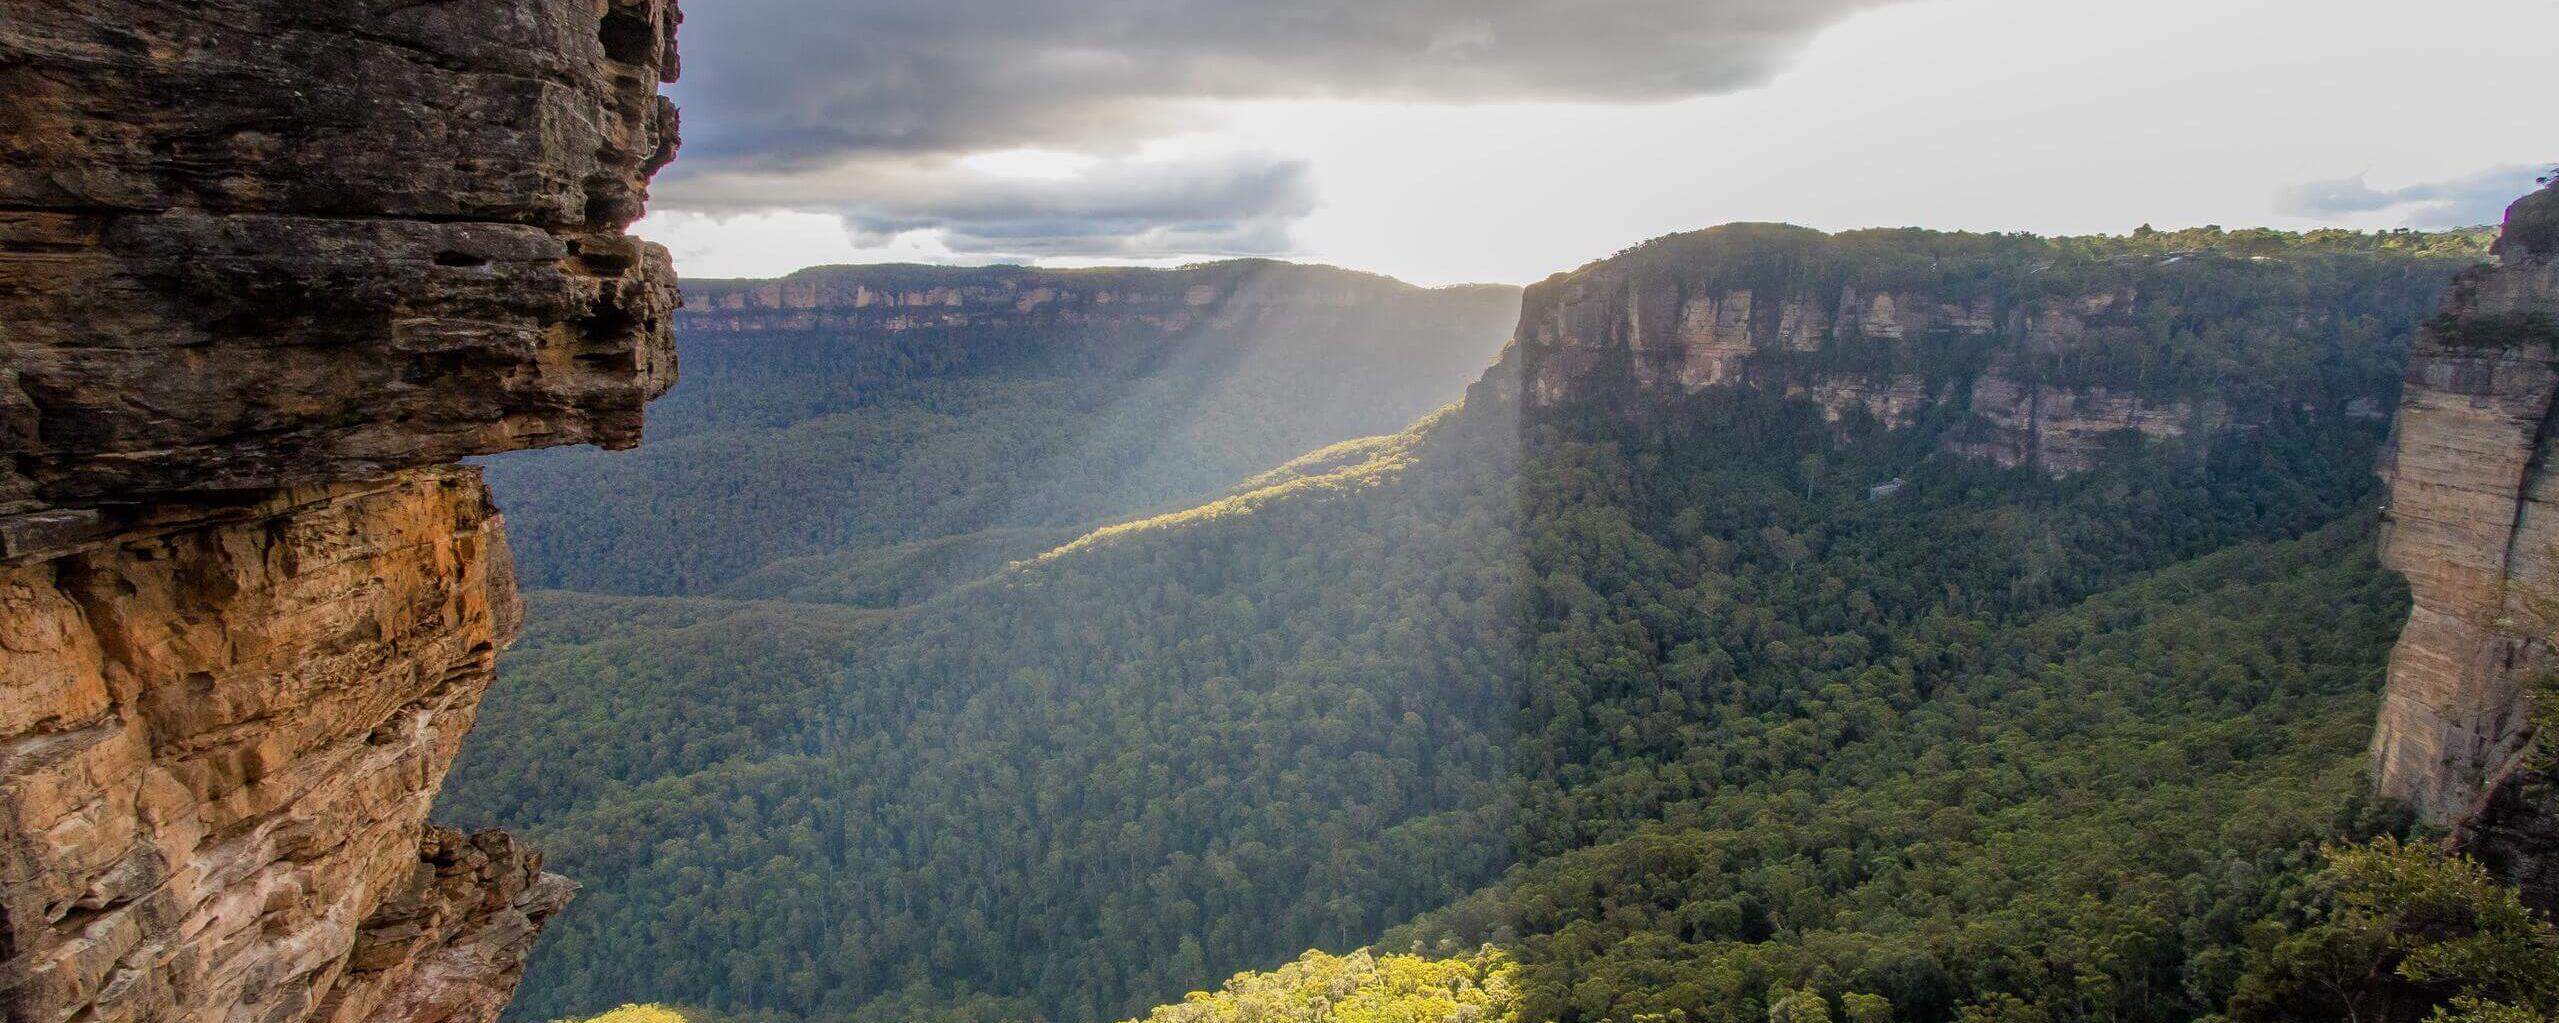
pixel 2031 352
pixel 2471 523
pixel 267 268
pixel 2474 524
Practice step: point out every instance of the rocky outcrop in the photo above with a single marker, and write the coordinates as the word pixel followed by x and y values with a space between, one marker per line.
pixel 225 732
pixel 449 943
pixel 2019 345
pixel 2474 525
pixel 252 243
pixel 266 268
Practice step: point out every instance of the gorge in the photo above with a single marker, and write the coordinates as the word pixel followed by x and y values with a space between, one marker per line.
pixel 1941 626
pixel 844 412
pixel 1467 678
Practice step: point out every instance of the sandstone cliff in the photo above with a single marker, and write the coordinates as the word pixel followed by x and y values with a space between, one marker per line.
pixel 258 242
pixel 2473 523
pixel 266 268
pixel 2032 352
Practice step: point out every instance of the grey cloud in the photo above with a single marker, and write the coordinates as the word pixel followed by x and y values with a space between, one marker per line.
pixel 1121 208
pixel 863 106
pixel 2474 199
pixel 796 81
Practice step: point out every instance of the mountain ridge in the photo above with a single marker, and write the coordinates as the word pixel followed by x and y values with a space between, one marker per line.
pixel 847 410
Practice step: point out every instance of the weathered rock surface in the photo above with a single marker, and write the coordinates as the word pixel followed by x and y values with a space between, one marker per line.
pixel 266 268
pixel 449 944
pixel 224 732
pixel 257 243
pixel 1804 313
pixel 2474 525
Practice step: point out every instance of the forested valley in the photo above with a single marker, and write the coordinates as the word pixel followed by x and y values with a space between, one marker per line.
pixel 827 421
pixel 1600 702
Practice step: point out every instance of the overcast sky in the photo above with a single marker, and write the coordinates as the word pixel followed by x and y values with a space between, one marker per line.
pixel 1501 140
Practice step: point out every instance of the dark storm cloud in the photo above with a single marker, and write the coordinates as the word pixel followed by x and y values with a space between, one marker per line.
pixel 2467 201
pixel 1232 207
pixel 1123 208
pixel 798 80
pixel 861 106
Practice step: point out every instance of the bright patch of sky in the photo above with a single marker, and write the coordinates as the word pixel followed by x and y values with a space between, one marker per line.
pixel 2053 116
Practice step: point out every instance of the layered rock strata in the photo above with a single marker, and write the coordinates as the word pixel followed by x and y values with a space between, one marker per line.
pixel 225 733
pixel 251 243
pixel 2473 523
pixel 266 268
pixel 1847 322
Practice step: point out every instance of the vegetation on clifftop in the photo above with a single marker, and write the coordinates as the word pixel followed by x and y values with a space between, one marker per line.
pixel 2256 315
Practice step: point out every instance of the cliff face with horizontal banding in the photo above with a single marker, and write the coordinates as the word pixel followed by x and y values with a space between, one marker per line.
pixel 2474 525
pixel 246 243
pixel 267 267
pixel 2028 351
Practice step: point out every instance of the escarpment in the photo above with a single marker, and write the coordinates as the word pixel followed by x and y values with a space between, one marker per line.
pixel 2028 351
pixel 267 268
pixel 2474 525
pixel 862 324
pixel 900 298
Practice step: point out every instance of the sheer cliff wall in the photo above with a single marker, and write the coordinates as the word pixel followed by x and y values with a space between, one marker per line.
pixel 2027 351
pixel 267 268
pixel 2473 523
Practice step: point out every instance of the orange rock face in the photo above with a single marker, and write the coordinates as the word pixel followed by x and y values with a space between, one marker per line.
pixel 226 733
pixel 266 268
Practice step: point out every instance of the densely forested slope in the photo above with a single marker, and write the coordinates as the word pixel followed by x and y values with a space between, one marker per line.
pixel 844 409
pixel 1665 705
